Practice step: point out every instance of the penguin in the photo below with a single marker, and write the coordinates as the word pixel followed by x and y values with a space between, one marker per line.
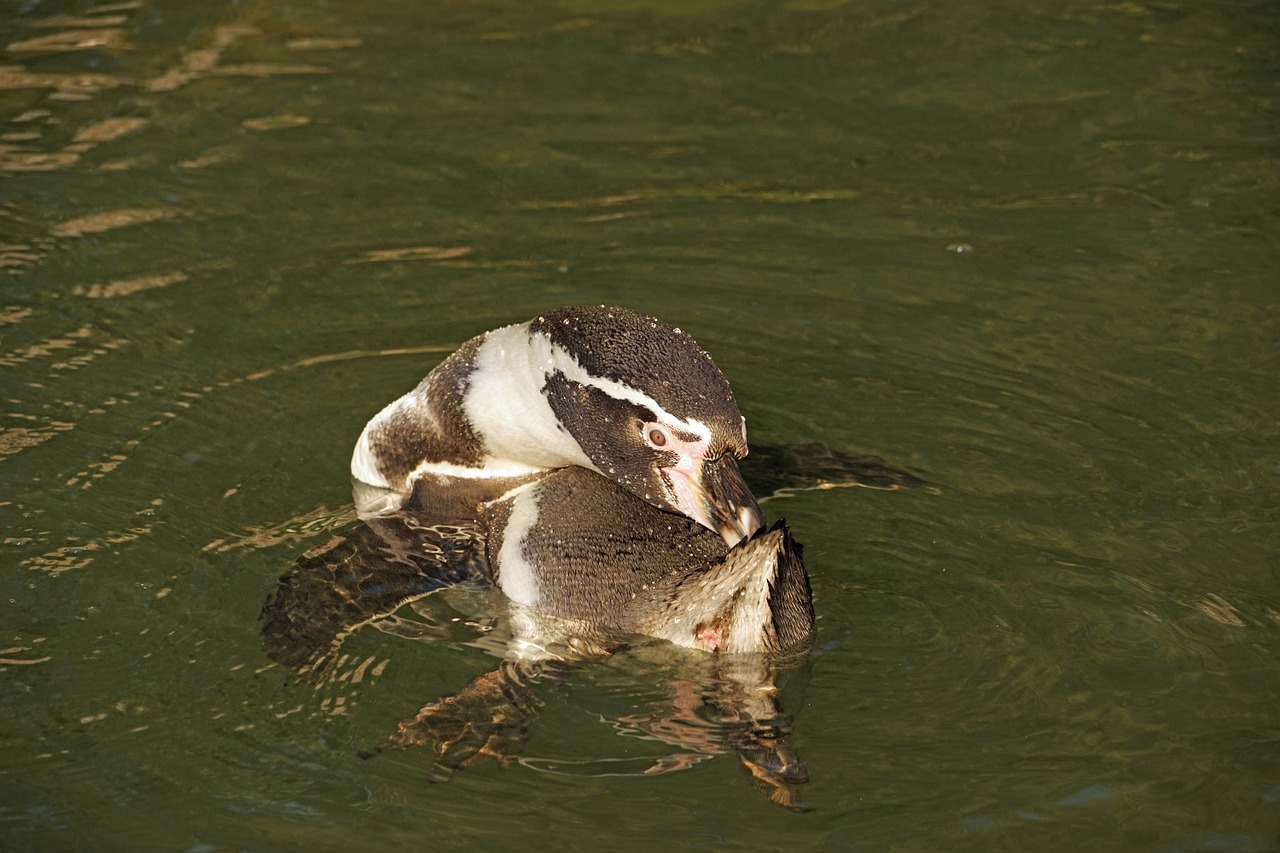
pixel 609 390
pixel 586 465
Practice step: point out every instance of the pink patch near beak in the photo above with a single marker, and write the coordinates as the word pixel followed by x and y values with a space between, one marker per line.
pixel 711 491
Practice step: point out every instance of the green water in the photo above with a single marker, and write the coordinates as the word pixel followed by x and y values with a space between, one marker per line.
pixel 1027 250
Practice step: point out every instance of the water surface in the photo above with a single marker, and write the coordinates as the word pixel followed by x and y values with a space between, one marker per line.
pixel 1026 251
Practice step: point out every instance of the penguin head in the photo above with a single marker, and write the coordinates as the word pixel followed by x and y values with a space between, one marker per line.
pixel 652 412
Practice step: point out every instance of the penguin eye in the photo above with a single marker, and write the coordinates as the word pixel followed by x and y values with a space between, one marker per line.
pixel 656 435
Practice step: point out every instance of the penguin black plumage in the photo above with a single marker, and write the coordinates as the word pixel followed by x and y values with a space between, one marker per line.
pixel 576 547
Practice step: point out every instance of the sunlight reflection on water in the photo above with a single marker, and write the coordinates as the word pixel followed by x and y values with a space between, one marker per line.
pixel 1026 254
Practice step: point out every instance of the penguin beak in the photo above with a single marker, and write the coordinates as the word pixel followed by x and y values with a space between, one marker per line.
pixel 716 496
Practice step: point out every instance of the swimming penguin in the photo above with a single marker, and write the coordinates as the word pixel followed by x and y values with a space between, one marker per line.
pixel 610 390
pixel 633 404
pixel 585 464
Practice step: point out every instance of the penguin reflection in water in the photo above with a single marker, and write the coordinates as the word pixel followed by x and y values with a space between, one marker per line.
pixel 586 464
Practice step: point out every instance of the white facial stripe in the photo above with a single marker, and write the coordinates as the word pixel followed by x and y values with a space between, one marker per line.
pixel 558 359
